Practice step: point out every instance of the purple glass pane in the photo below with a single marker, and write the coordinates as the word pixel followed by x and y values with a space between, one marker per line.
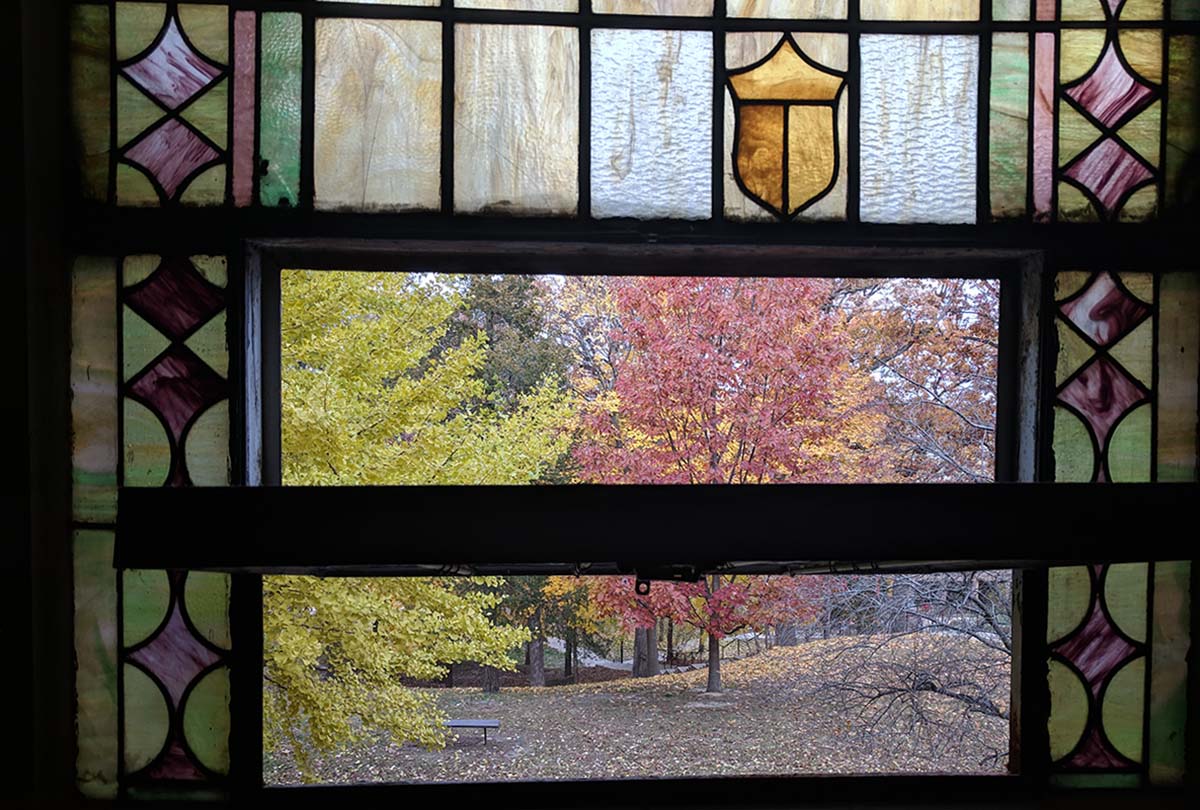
pixel 171 154
pixel 172 72
pixel 175 299
pixel 1102 393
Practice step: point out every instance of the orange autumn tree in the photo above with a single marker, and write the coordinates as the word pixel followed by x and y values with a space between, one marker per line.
pixel 730 381
pixel 933 344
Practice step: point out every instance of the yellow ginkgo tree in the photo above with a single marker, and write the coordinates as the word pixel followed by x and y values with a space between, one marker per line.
pixel 374 393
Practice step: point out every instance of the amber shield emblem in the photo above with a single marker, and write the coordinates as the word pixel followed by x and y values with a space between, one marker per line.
pixel 785 143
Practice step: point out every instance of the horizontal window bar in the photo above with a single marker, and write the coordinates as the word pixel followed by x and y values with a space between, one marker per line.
pixel 382 530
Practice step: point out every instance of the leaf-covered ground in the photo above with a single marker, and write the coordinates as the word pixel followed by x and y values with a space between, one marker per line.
pixel 771 718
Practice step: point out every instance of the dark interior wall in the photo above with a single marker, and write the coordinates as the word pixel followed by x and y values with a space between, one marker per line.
pixel 38 713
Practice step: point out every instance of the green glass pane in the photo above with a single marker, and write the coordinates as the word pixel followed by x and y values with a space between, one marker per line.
pixel 1135 10
pixel 279 123
pixel 1068 709
pixel 135 269
pixel 146 719
pixel 1121 711
pixel 1096 780
pixel 1074 206
pixel 1073 352
pixel 209 344
pixel 1178 371
pixel 137 26
pixel 215 269
pixel 1135 352
pixel 1144 133
pixel 1125 597
pixel 209 113
pixel 206 720
pixel 1009 10
pixel 1075 133
pixel 95 584
pixel 1009 123
pixel 1169 672
pixel 140 343
pixel 1129 448
pixel 147 448
pixel 135 111
pixel 1074 458
pixel 1183 136
pixel 145 597
pixel 134 188
pixel 94 390
pixel 1141 206
pixel 1069 282
pixel 206 189
pixel 1068 597
pixel 90 97
pixel 1185 9
pixel 206 595
pixel 207 28
pixel 206 447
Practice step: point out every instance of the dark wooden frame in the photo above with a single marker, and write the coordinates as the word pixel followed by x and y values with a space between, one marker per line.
pixel 57 224
pixel 272 513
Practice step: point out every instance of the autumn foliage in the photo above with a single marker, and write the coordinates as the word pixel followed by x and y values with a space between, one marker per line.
pixel 420 378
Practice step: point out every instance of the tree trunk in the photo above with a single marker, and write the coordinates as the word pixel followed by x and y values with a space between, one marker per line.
pixel 450 676
pixel 491 679
pixel 670 641
pixel 569 655
pixel 714 649
pixel 621 655
pixel 714 664
pixel 785 634
pixel 701 648
pixel 537 650
pixel 645 652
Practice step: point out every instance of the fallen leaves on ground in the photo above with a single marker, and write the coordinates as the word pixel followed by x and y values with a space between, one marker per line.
pixel 769 719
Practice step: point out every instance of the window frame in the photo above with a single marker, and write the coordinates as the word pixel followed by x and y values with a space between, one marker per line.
pixel 256 406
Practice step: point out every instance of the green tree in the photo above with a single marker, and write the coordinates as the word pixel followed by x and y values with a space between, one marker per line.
pixel 372 395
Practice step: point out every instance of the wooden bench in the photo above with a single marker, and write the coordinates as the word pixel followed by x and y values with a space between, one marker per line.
pixel 483 724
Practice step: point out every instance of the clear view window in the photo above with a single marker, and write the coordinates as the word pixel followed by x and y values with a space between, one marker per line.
pixel 427 378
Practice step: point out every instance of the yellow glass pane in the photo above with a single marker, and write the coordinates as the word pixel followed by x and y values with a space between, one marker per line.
pixel 787 9
pixel 919 9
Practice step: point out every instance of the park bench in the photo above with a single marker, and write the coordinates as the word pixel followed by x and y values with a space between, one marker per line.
pixel 483 724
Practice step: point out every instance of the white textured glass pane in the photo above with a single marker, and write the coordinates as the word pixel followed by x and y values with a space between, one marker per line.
pixel 787 9
pixel 378 114
pixel 516 119
pixel 746 48
pixel 521 5
pixel 678 8
pixel 919 9
pixel 917 128
pixel 652 124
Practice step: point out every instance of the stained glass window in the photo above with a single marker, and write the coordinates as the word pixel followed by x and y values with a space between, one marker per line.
pixel 1061 126
pixel 1125 410
pixel 470 109
pixel 150 391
